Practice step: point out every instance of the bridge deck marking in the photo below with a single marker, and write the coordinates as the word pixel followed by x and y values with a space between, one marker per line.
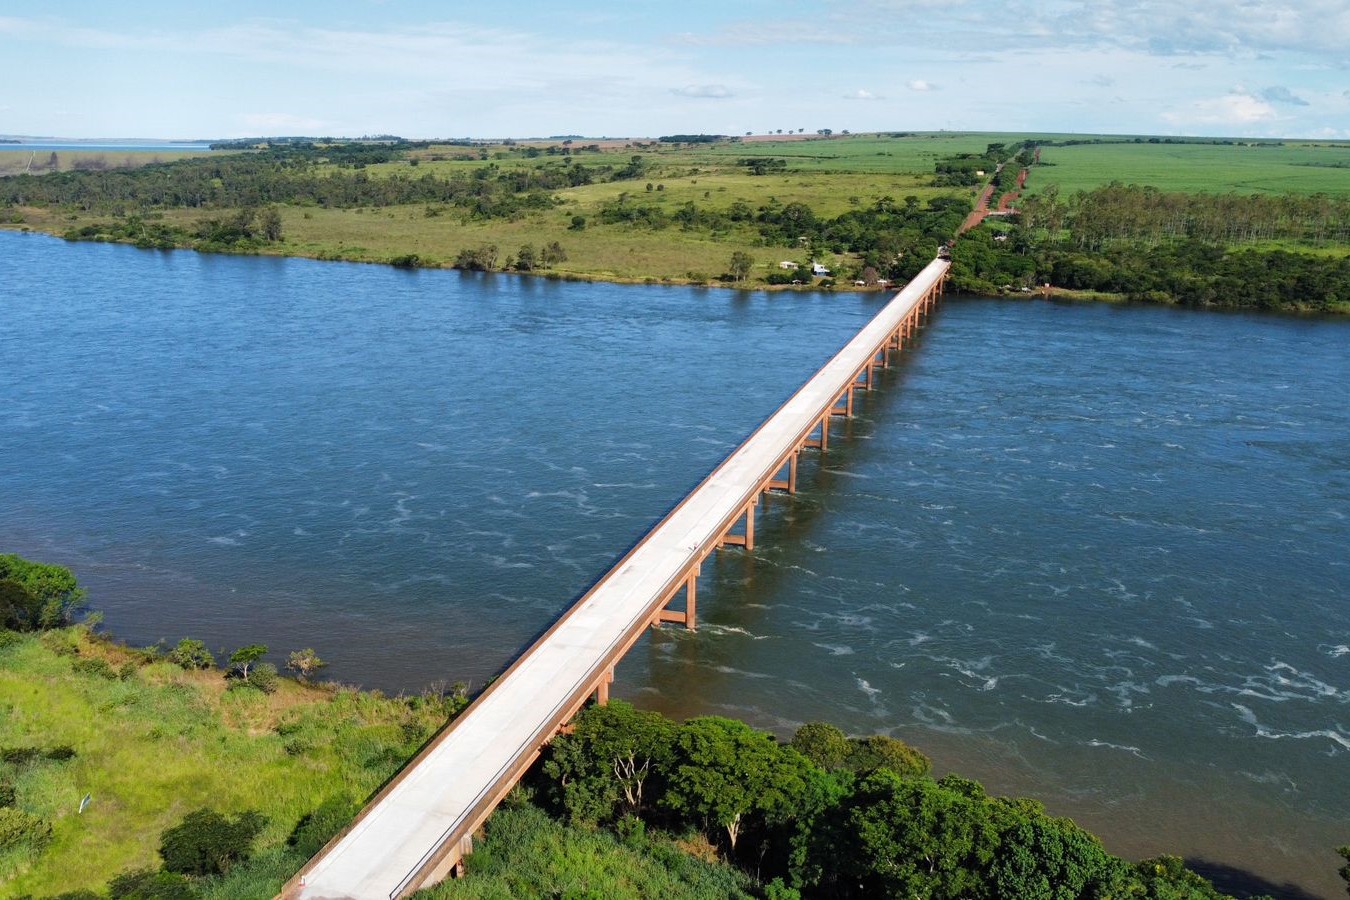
pixel 413 829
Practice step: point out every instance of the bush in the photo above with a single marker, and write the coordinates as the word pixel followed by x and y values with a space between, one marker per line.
pixel 147 884
pixel 265 678
pixel 208 843
pixel 97 667
pixel 192 654
pixel 319 827
pixel 20 830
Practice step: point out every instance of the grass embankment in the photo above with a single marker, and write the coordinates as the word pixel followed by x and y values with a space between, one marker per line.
pixel 152 742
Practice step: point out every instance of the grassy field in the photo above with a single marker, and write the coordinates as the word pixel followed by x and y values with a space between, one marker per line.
pixel 153 742
pixel 831 175
pixel 834 176
pixel 1286 168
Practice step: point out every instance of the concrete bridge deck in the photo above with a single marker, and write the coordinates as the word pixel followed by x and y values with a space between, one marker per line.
pixel 420 825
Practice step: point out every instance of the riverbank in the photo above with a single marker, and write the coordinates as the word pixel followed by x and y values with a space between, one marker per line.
pixel 122 743
pixel 109 749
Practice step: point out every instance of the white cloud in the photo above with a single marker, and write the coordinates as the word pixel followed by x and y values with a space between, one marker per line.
pixel 861 94
pixel 918 84
pixel 1237 107
pixel 705 91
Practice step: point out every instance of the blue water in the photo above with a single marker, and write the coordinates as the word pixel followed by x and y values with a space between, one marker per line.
pixel 176 146
pixel 1095 554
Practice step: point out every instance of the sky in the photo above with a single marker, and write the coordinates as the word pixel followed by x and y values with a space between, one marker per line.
pixel 644 68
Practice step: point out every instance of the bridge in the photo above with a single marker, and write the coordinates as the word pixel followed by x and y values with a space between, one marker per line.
pixel 418 828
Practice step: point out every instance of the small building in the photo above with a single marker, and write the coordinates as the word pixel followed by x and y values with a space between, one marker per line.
pixel 787 264
pixel 818 269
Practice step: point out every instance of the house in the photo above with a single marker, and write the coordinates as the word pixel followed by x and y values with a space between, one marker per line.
pixel 787 264
pixel 818 269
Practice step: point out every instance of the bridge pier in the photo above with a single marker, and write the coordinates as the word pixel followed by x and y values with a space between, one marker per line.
pixel 788 484
pixel 747 538
pixel 821 443
pixel 688 616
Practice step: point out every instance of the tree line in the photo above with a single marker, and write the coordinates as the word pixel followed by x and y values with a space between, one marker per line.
pixel 304 178
pixel 1200 250
pixel 826 815
pixel 1093 220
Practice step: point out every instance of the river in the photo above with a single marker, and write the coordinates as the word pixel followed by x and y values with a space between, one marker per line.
pixel 1094 554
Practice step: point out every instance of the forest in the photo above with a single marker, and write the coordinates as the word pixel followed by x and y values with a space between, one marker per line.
pixel 1202 250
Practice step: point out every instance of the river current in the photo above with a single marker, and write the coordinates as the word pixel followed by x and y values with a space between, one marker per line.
pixel 1094 554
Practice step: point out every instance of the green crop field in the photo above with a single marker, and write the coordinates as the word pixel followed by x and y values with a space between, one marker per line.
pixel 1268 168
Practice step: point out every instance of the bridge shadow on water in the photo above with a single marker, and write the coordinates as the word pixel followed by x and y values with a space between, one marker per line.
pixel 1242 883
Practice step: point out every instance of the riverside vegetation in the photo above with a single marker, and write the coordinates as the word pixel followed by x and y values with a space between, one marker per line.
pixel 146 773
pixel 1234 224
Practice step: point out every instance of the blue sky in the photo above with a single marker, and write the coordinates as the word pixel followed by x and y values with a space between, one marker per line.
pixel 513 68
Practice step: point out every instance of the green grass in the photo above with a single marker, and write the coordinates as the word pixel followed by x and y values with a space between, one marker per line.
pixel 163 742
pixel 1287 168
pixel 527 854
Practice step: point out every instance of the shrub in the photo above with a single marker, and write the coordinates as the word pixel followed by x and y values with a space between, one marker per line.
pixel 265 678
pixel 96 667
pixel 20 830
pixel 304 663
pixel 317 828
pixel 192 654
pixel 208 843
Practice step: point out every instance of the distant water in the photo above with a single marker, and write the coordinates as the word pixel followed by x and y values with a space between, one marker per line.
pixel 1093 554
pixel 132 147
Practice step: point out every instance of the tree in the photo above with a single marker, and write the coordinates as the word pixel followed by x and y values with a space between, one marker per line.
pixel 897 837
pixel 191 654
pixel 1344 871
pixel 552 254
pixel 243 659
pixel 741 264
pixel 823 744
pixel 881 752
pixel 601 770
pixel 726 770
pixel 304 662
pixel 35 595
pixel 526 260
pixel 208 843
pixel 270 224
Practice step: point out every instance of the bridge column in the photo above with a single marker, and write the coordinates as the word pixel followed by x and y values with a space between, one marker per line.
pixel 847 409
pixel 788 484
pixel 821 443
pixel 689 617
pixel 747 539
pixel 602 688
